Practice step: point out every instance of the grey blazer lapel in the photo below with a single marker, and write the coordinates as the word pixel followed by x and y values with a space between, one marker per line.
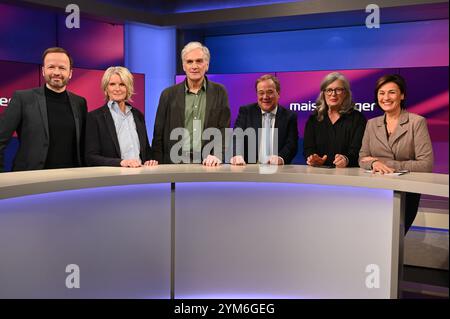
pixel 401 129
pixel 40 96
pixel 380 132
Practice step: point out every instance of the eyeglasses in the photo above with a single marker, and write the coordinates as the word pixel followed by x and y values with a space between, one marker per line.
pixel 338 91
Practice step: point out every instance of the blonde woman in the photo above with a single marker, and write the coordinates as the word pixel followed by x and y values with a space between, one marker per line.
pixel 115 133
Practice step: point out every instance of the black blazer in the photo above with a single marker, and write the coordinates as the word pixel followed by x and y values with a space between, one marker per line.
pixel 286 122
pixel 27 115
pixel 102 144
pixel 170 115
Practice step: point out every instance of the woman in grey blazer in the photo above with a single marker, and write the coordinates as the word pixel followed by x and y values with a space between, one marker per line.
pixel 397 140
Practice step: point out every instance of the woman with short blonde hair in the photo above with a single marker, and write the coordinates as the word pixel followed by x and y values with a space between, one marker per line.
pixel 115 133
pixel 126 77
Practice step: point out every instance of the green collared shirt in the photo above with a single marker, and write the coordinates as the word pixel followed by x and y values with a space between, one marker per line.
pixel 195 111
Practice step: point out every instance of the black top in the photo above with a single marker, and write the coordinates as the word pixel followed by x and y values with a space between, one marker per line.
pixel 62 150
pixel 343 137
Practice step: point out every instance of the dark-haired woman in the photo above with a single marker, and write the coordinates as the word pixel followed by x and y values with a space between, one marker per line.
pixel 397 140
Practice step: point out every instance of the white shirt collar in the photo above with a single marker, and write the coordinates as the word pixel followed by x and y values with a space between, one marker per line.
pixel 274 111
pixel 114 106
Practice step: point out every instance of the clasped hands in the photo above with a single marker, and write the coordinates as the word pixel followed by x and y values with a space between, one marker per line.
pixel 340 160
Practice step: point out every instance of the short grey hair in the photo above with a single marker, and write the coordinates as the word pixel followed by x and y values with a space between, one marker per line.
pixel 321 104
pixel 195 45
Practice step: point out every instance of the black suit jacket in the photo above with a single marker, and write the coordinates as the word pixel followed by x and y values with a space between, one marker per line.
pixel 27 115
pixel 285 120
pixel 171 115
pixel 102 144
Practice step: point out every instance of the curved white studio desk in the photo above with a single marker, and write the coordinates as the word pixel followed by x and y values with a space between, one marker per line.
pixel 188 231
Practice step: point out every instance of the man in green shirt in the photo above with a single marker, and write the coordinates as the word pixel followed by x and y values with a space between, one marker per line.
pixel 193 106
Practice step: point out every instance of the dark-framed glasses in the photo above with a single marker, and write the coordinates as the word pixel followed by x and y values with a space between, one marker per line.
pixel 337 91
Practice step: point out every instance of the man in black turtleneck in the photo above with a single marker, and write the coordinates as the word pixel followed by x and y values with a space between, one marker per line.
pixel 49 120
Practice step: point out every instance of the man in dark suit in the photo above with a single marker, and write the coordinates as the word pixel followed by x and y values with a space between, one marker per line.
pixel 188 109
pixel 49 120
pixel 277 140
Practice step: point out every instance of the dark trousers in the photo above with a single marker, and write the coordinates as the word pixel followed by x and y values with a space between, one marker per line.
pixel 411 207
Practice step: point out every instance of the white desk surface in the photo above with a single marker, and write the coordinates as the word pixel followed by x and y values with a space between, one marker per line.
pixel 18 184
